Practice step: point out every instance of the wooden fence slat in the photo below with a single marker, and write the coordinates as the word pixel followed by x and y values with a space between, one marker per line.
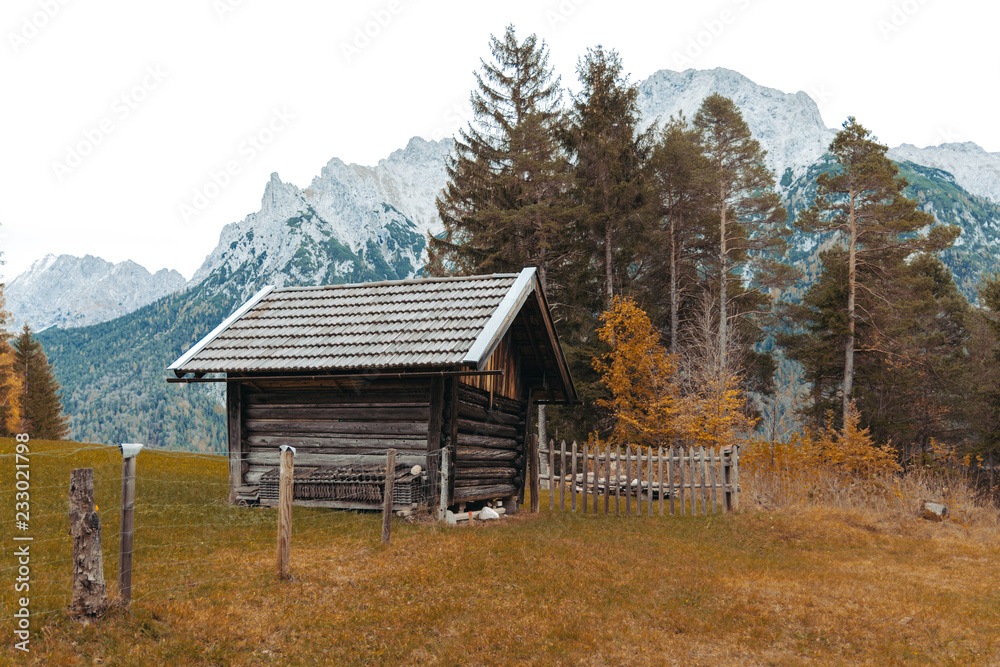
pixel 659 467
pixel 704 483
pixel 736 477
pixel 597 476
pixel 628 480
pixel 586 486
pixel 618 474
pixel 670 478
pixel 552 474
pixel 711 470
pixel 638 479
pixel 681 478
pixel 562 476
pixel 607 477
pixel 572 479
pixel 727 504
pixel 649 477
pixel 534 473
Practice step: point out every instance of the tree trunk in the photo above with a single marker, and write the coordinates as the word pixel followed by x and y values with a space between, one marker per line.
pixel 543 462
pixel 673 287
pixel 608 274
pixel 851 277
pixel 90 596
pixel 723 278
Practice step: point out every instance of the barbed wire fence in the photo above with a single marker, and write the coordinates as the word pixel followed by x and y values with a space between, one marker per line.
pixel 187 538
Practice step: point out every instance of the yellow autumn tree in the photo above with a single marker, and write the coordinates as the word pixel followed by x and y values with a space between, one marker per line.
pixel 639 373
pixel 11 382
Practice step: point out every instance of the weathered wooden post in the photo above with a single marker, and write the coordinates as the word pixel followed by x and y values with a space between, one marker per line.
pixel 90 597
pixel 129 453
pixel 390 482
pixel 443 496
pixel 534 476
pixel 285 495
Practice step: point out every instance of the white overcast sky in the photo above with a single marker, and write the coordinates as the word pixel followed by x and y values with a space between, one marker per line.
pixel 200 76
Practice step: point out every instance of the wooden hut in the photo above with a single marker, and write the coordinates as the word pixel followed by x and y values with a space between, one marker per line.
pixel 345 372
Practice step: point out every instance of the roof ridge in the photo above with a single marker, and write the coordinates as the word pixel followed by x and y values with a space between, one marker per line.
pixel 407 281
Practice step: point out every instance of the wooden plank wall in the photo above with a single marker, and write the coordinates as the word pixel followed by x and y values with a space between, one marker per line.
pixel 333 424
pixel 504 358
pixel 489 431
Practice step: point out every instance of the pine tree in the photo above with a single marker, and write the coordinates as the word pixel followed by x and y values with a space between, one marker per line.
pixel 912 349
pixel 42 411
pixel 863 200
pixel 611 156
pixel 680 176
pixel 506 204
pixel 748 210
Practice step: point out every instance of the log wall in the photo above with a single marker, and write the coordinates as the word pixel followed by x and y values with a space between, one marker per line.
pixel 489 431
pixel 332 424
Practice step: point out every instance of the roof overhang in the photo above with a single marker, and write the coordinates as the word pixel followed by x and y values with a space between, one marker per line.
pixel 214 333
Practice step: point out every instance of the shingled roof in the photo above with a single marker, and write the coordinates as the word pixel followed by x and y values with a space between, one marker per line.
pixel 434 323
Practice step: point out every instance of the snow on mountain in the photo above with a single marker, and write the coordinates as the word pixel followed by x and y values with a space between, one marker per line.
pixel 352 223
pixel 976 170
pixel 788 126
pixel 69 291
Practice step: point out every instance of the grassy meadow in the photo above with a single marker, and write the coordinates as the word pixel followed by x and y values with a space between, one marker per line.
pixel 796 585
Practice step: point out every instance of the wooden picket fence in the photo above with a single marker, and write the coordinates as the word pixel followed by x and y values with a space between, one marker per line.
pixel 682 478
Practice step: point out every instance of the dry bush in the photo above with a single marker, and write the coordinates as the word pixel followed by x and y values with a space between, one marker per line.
pixel 847 470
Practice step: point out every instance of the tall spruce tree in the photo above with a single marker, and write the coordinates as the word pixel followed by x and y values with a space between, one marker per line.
pixel 750 233
pixel 863 200
pixel 507 203
pixel 611 180
pixel 681 177
pixel 42 411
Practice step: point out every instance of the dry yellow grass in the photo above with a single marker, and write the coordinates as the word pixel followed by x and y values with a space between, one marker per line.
pixel 803 585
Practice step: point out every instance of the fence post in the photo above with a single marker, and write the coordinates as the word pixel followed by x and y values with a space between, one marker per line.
pixel 552 474
pixel 390 481
pixel 90 596
pixel 618 478
pixel 534 476
pixel 572 478
pixel 736 477
pixel 727 480
pixel 443 503
pixel 129 454
pixel 285 495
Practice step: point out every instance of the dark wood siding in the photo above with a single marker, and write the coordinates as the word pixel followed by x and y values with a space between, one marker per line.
pixel 505 358
pixel 489 432
pixel 332 424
